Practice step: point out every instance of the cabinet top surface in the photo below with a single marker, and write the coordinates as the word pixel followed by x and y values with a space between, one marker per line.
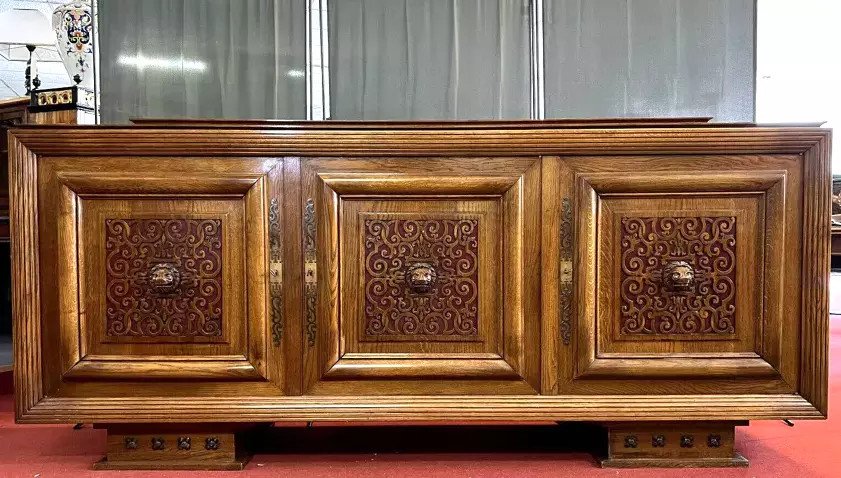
pixel 433 125
pixel 455 138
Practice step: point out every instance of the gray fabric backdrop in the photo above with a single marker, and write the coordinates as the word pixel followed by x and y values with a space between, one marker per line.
pixel 615 58
pixel 431 59
pixel 249 48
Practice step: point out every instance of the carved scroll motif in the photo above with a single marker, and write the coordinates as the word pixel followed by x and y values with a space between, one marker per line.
pixel 566 271
pixel 310 272
pixel 421 278
pixel 163 277
pixel 275 272
pixel 678 275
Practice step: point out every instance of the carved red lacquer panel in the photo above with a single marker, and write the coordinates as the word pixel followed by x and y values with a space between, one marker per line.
pixel 678 276
pixel 421 278
pixel 163 277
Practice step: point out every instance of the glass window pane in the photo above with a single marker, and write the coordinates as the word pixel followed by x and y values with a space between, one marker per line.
pixel 202 59
pixel 630 58
pixel 429 59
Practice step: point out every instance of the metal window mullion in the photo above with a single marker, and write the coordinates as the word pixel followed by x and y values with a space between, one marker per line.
pixel 536 56
pixel 308 56
pixel 316 59
pixel 96 61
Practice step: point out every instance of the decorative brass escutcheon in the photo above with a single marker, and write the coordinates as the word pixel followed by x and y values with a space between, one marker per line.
pixel 164 278
pixel 566 272
pixel 678 276
pixel 421 277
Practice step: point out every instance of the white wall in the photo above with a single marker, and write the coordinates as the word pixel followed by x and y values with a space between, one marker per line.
pixel 52 74
pixel 799 64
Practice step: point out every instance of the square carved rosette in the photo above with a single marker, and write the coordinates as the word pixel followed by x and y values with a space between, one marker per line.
pixel 678 277
pixel 421 278
pixel 163 278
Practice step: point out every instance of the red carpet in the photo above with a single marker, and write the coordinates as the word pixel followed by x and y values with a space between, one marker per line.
pixel 810 449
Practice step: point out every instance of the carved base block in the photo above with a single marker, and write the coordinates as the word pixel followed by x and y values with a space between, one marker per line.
pixel 165 448
pixel 672 445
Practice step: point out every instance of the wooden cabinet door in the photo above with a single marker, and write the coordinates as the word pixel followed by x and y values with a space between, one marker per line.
pixel 154 274
pixel 421 276
pixel 680 274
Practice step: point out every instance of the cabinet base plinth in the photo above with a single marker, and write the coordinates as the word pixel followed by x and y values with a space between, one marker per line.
pixel 184 465
pixel 173 448
pixel 736 461
pixel 672 445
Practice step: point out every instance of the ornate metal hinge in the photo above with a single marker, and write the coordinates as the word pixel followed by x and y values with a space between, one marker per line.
pixel 565 278
pixel 275 271
pixel 310 275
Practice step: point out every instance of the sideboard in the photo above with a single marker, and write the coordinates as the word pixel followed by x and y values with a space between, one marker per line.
pixel 179 283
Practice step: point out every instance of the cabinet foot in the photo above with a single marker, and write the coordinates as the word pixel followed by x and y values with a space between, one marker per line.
pixel 187 447
pixel 672 445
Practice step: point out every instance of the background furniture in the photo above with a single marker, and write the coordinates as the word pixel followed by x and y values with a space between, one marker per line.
pixel 836 217
pixel 12 112
pixel 668 281
pixel 57 106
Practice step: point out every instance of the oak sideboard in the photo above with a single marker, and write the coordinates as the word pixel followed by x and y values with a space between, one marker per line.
pixel 180 282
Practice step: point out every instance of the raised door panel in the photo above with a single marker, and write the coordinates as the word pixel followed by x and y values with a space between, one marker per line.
pixel 680 274
pixel 420 276
pixel 165 273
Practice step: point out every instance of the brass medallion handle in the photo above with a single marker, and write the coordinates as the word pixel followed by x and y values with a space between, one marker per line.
pixel 164 278
pixel 421 277
pixel 678 276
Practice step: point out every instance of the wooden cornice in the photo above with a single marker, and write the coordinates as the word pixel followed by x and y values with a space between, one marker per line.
pixel 415 141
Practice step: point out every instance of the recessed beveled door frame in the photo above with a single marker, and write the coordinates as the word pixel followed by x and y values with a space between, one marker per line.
pixel 514 183
pixel 66 186
pixel 763 362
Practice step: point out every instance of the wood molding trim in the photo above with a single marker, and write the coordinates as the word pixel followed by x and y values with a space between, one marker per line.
pixel 151 141
pixel 26 297
pixel 817 207
pixel 421 408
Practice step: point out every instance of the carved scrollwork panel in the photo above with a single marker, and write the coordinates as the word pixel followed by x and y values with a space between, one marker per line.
pixel 678 276
pixel 421 278
pixel 163 277
pixel 310 271
pixel 566 271
pixel 275 271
